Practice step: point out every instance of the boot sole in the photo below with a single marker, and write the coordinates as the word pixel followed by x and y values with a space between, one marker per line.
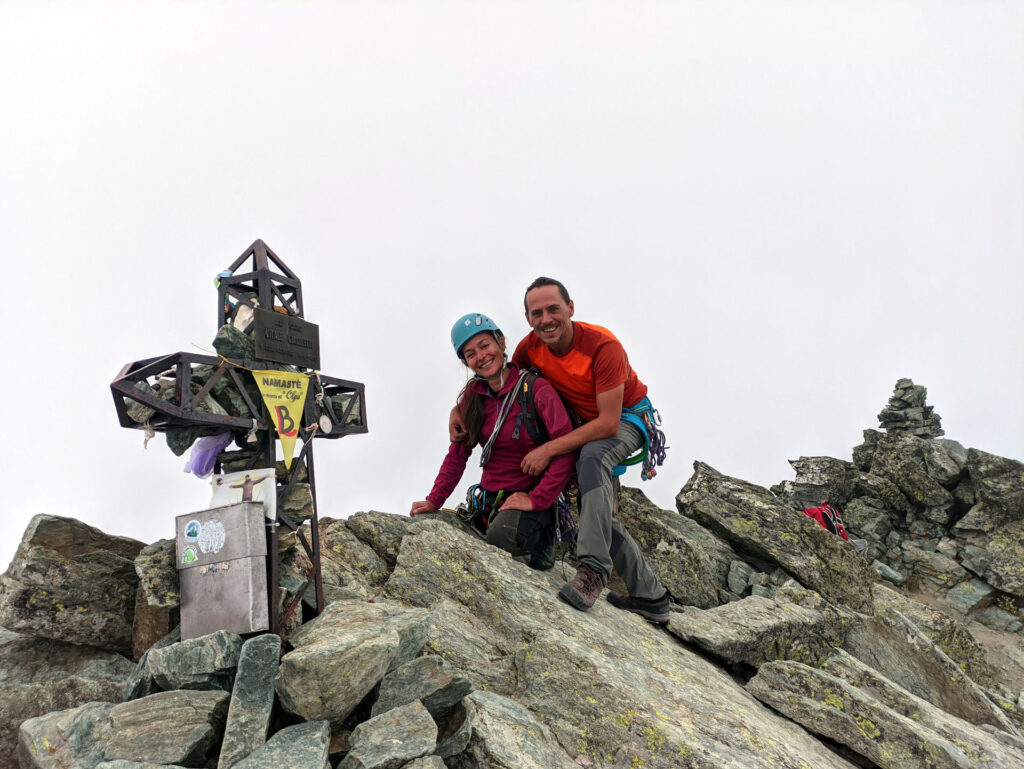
pixel 655 618
pixel 573 598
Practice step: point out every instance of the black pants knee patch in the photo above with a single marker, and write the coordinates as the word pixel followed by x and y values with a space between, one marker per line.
pixel 617 541
pixel 522 532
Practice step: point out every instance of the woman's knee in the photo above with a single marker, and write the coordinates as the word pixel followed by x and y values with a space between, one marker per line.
pixel 502 531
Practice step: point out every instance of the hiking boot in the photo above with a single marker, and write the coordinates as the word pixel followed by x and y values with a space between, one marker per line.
pixel 651 609
pixel 541 560
pixel 584 589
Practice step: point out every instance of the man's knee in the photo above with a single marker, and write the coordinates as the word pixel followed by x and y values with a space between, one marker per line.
pixel 591 469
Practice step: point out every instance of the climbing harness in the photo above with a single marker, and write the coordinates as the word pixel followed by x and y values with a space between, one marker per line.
pixel 478 506
pixel 646 419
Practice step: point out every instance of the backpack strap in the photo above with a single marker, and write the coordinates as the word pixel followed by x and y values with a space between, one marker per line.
pixel 528 416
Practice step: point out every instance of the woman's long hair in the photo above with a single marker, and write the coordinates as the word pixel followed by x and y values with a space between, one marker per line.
pixel 471 404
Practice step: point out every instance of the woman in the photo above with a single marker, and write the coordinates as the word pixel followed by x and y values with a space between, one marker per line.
pixel 524 522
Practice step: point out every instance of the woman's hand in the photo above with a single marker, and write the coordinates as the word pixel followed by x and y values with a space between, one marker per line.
pixel 518 501
pixel 422 507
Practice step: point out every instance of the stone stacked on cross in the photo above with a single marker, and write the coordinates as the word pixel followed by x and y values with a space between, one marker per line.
pixel 906 412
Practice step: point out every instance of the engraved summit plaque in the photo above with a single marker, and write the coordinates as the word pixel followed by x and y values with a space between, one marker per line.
pixel 286 339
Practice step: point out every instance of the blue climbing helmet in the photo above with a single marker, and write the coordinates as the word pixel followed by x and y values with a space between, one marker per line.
pixel 468 326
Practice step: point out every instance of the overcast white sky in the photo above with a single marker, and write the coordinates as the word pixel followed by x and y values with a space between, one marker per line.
pixel 779 208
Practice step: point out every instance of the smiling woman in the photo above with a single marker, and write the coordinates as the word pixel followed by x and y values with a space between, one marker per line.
pixel 516 510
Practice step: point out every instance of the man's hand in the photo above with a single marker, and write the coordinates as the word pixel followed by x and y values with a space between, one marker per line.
pixel 456 426
pixel 536 461
pixel 422 507
pixel 518 501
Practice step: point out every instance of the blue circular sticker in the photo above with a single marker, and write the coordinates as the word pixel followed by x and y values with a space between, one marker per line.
pixel 192 530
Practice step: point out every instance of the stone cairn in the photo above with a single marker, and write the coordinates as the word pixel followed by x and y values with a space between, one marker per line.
pixel 906 412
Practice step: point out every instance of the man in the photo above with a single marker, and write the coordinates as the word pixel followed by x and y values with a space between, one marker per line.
pixel 590 370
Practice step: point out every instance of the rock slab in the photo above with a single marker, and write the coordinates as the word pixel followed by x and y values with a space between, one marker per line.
pixel 39 676
pixel 852 705
pixel 71 582
pixel 206 662
pixel 303 746
pixel 754 521
pixel 342 654
pixel 429 679
pixel 392 739
pixel 179 727
pixel 755 630
pixel 65 739
pixel 252 699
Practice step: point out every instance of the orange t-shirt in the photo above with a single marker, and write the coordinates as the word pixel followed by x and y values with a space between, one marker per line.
pixel 595 363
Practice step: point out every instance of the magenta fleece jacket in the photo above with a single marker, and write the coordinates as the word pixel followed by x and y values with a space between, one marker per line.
pixel 503 471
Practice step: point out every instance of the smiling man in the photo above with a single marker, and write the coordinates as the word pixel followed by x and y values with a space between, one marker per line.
pixel 589 368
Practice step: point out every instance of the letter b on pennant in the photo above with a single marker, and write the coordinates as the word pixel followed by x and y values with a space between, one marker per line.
pixel 285 424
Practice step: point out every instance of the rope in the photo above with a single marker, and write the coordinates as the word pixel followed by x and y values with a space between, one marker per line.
pixel 503 410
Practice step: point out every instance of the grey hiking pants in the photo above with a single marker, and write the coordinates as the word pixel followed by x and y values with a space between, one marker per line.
pixel 602 542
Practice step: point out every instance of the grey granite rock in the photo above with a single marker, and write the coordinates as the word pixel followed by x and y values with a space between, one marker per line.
pixel 150 624
pixel 820 479
pixel 141 683
pixel 454 729
pixel 849 703
pixel 998 485
pixel 303 746
pixel 206 662
pixel 946 631
pixel 383 532
pixel 885 491
pixel 342 654
pixel 740 573
pixel 899 459
pixel 970 595
pixel 867 518
pixel 427 762
pixel 688 559
pixel 71 582
pixel 755 630
pixel 179 727
pixel 158 574
pixel 997 619
pixel 505 734
pixel 350 568
pixel 429 679
pixel 392 739
pixel 997 556
pixel 754 521
pixel 888 573
pixel 299 504
pixel 945 461
pixel 582 682
pixel 252 699
pixel 65 739
pixel 864 453
pixel 40 676
pixel 232 343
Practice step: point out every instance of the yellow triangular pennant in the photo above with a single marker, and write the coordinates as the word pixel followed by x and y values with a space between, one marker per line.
pixel 284 392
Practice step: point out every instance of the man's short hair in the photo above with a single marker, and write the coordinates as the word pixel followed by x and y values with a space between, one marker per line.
pixel 542 281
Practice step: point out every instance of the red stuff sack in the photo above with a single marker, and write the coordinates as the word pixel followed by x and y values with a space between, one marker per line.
pixel 828 517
